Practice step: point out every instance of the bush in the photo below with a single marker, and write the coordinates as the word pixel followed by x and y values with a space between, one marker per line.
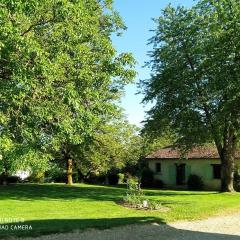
pixel 58 177
pixel 135 197
pixel 133 186
pixel 94 179
pixel 133 200
pixel 55 174
pixel 74 177
pixel 13 179
pixel 128 176
pixel 147 179
pixel 158 183
pixel 121 177
pixel 113 179
pixel 3 178
pixel 9 179
pixel 61 177
pixel 36 177
pixel 195 182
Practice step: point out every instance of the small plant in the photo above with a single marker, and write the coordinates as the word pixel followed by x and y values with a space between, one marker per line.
pixel 154 205
pixel 195 182
pixel 133 201
pixel 135 197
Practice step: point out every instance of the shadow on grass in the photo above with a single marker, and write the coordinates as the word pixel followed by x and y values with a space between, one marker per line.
pixel 59 191
pixel 152 192
pixel 151 232
pixel 48 226
pixel 51 192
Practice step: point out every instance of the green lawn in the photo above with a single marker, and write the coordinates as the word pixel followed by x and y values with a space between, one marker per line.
pixel 56 207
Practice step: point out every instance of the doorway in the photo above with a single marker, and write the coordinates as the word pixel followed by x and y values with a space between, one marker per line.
pixel 180 174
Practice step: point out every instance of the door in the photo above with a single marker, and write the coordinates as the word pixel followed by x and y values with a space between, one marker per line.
pixel 180 174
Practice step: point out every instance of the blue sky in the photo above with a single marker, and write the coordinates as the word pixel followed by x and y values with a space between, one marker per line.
pixel 137 15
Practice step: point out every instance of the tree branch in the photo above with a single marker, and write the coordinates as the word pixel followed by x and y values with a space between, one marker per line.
pixel 37 24
pixel 205 107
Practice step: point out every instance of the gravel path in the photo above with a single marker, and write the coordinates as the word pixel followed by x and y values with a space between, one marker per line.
pixel 215 228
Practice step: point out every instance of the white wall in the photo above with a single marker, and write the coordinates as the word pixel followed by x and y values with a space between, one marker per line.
pixel 200 167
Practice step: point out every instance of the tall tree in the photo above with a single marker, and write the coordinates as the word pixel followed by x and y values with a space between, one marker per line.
pixel 195 82
pixel 59 72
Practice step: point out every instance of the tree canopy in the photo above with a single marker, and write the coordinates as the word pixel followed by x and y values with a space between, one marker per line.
pixel 60 75
pixel 195 78
pixel 114 145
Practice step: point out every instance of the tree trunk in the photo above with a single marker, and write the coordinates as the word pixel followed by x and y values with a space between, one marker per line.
pixel 228 161
pixel 227 171
pixel 69 171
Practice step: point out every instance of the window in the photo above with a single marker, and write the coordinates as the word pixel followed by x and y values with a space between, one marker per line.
pixel 216 171
pixel 158 167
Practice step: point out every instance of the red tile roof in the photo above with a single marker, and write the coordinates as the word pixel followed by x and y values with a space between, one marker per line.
pixel 196 153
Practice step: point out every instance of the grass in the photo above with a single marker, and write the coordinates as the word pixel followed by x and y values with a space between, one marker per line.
pixel 50 208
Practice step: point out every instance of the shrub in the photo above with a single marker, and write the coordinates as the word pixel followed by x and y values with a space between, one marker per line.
pixel 133 186
pixel 36 177
pixel 13 179
pixel 9 179
pixel 58 177
pixel 74 177
pixel 58 174
pixel 55 174
pixel 113 178
pixel 147 179
pixel 158 183
pixel 121 177
pixel 128 176
pixel 195 182
pixel 101 179
pixel 94 179
pixel 135 197
pixel 3 178
pixel 133 201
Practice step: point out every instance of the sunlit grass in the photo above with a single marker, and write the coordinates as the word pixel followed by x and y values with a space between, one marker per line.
pixel 57 207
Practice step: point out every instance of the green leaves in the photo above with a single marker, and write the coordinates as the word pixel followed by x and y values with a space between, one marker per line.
pixel 195 72
pixel 113 146
pixel 58 71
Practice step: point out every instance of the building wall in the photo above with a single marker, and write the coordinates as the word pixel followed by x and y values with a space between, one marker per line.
pixel 200 167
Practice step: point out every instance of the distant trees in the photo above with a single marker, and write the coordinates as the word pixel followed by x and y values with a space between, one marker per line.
pixel 196 77
pixel 114 146
pixel 60 76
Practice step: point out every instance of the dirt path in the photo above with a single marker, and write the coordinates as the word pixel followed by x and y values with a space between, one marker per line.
pixel 215 228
